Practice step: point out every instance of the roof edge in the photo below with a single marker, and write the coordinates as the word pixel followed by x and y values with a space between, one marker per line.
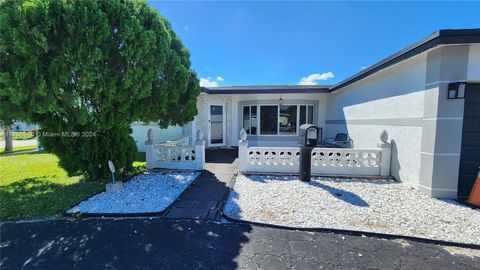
pixel 437 38
pixel 267 89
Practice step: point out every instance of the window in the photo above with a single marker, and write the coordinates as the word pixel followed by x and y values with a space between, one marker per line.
pixel 276 119
pixel 253 117
pixel 269 120
pixel 250 119
pixel 288 119
pixel 306 114
pixel 246 119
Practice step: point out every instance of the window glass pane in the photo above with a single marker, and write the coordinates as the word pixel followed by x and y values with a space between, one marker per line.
pixel 216 124
pixel 303 114
pixel 253 123
pixel 269 120
pixel 246 119
pixel 288 119
pixel 310 115
pixel 216 110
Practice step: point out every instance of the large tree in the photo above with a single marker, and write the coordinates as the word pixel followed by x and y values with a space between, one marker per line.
pixel 85 70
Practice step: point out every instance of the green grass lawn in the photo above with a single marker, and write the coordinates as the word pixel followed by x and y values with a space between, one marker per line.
pixel 20 148
pixel 33 185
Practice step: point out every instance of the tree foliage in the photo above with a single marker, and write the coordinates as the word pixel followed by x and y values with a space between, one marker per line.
pixel 85 70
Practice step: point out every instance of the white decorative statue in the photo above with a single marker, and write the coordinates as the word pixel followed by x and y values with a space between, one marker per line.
pixel 243 135
pixel 384 136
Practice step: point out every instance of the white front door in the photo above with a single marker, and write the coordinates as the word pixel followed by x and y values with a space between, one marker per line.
pixel 216 125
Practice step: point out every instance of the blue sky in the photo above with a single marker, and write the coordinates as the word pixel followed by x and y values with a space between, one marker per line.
pixel 249 43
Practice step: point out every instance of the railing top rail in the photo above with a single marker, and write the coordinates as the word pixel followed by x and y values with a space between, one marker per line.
pixel 314 149
pixel 158 146
pixel 181 141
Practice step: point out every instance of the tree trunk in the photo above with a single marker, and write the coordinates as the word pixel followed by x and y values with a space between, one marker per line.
pixel 8 138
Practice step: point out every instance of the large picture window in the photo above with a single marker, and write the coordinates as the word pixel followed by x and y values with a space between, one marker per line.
pixel 281 119
pixel 288 119
pixel 269 120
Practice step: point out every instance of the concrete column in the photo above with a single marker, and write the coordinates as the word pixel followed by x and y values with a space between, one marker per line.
pixel 200 151
pixel 442 122
pixel 149 154
pixel 243 152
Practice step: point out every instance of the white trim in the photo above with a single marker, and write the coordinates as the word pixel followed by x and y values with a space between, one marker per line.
pixel 442 118
pixel 438 192
pixel 443 189
pixel 224 124
pixel 438 82
pixel 439 154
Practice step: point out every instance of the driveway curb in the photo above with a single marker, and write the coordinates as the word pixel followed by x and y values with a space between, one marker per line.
pixel 126 215
pixel 354 233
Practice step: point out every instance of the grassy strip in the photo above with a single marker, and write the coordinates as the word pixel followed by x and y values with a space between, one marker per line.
pixel 19 148
pixel 33 185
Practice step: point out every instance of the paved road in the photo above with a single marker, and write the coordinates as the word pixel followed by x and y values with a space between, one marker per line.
pixel 187 244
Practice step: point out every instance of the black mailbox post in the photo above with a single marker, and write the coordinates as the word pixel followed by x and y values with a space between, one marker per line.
pixel 308 140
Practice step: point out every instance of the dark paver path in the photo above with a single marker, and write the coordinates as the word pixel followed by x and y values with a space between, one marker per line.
pixel 154 243
pixel 205 198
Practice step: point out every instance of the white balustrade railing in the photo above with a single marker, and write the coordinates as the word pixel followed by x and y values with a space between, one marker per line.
pixel 180 142
pixel 176 154
pixel 325 161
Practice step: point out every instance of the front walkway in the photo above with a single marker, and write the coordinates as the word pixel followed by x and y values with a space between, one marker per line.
pixel 206 197
pixel 153 243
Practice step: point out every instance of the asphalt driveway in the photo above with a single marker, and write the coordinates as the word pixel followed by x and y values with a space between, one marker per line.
pixel 187 244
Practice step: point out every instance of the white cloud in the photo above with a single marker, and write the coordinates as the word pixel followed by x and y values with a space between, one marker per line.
pixel 185 27
pixel 207 82
pixel 313 78
pixel 364 67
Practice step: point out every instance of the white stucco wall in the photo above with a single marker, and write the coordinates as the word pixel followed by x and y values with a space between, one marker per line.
pixel 201 119
pixel 409 100
pixel 391 99
pixel 139 134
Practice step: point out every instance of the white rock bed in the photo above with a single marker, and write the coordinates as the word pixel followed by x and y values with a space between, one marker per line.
pixel 371 205
pixel 145 193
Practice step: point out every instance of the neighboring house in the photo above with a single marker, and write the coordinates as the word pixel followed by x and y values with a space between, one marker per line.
pixel 435 140
pixel 22 126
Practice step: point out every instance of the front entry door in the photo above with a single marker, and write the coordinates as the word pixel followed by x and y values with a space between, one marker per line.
pixel 470 155
pixel 217 125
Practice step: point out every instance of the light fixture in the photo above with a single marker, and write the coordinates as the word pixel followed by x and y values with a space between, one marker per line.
pixel 456 90
pixel 280 100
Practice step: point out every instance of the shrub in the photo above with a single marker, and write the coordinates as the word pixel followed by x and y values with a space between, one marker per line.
pixel 85 70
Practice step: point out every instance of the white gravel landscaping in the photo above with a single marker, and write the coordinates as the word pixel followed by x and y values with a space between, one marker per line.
pixel 372 205
pixel 145 193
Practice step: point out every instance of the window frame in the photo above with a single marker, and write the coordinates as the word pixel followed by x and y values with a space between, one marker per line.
pixel 259 117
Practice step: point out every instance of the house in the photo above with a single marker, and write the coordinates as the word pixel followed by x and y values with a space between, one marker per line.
pixel 19 126
pixel 426 96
